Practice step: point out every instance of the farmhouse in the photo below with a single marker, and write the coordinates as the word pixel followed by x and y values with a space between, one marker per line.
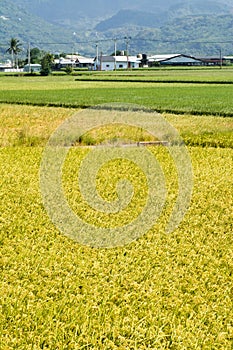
pixel 228 59
pixel 4 67
pixel 174 60
pixel 7 67
pixel 116 62
pixel 63 63
pixel 85 62
pixel 75 61
pixel 33 67
pixel 217 61
pixel 211 61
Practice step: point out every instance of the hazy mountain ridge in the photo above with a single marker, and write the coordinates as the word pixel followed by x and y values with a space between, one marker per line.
pixel 153 26
pixel 16 21
pixel 156 19
pixel 131 17
pixel 53 10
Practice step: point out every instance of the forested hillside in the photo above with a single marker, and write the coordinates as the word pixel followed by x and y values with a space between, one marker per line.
pixel 192 27
pixel 55 9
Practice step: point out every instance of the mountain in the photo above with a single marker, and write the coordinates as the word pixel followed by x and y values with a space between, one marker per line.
pixel 155 26
pixel 159 17
pixel 198 35
pixel 55 10
pixel 59 9
pixel 125 18
pixel 16 21
pixel 199 7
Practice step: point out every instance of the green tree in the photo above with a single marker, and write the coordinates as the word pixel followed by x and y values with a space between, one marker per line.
pixel 118 53
pixel 46 64
pixel 36 55
pixel 69 70
pixel 14 49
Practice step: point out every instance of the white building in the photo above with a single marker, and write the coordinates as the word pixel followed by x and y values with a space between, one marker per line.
pixel 75 61
pixel 33 67
pixel 174 59
pixel 85 62
pixel 228 58
pixel 7 67
pixel 110 63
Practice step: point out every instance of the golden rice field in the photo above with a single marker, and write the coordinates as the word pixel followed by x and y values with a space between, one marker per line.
pixel 162 291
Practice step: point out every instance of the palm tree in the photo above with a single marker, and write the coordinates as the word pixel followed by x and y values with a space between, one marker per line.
pixel 14 49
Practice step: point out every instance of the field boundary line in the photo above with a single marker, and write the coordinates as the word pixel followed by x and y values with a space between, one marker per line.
pixel 157 81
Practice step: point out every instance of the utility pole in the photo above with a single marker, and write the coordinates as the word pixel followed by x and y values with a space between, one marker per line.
pixel 97 56
pixel 29 58
pixel 115 41
pixel 127 48
pixel 220 54
pixel 73 51
pixel 101 54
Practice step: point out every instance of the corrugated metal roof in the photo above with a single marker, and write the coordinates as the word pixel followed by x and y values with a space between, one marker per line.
pixel 159 58
pixel 79 58
pixel 85 60
pixel 181 59
pixel 33 65
pixel 120 59
pixel 173 58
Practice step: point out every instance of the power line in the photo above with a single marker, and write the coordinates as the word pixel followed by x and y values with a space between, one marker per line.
pixel 185 41
pixel 131 39
pixel 137 39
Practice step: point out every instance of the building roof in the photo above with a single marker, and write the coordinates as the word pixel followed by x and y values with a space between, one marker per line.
pixel 120 59
pixel 63 60
pixel 173 58
pixel 159 58
pixel 79 58
pixel 83 60
pixel 72 57
pixel 33 65
pixel 6 64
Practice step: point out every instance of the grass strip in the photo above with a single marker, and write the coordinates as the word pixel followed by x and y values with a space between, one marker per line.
pixel 166 81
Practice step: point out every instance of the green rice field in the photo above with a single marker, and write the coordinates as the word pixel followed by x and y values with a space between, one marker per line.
pixel 187 97
pixel 162 291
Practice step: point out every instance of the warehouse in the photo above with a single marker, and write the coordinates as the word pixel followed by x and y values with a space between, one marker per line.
pixel 173 60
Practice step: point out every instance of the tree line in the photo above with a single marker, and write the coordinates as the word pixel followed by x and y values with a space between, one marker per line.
pixel 36 56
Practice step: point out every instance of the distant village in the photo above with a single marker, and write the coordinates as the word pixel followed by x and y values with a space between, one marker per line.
pixel 121 61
